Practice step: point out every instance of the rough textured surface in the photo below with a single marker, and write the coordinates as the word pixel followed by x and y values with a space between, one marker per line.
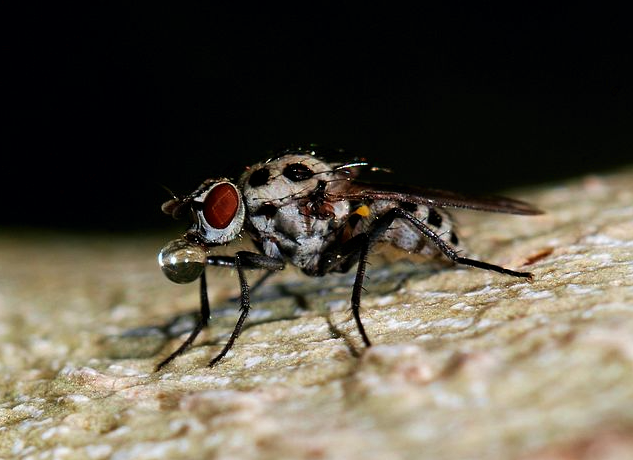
pixel 466 363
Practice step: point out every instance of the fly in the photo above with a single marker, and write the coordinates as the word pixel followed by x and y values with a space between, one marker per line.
pixel 299 209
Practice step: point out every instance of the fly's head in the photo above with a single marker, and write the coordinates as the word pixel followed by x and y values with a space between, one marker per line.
pixel 217 211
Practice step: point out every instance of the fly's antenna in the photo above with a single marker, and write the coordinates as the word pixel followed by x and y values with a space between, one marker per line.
pixel 177 204
pixel 174 207
pixel 170 191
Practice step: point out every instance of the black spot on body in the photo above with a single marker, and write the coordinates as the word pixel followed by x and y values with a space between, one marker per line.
pixel 434 218
pixel 297 172
pixel 409 207
pixel 454 239
pixel 259 177
pixel 320 188
pixel 357 204
pixel 268 210
pixel 353 220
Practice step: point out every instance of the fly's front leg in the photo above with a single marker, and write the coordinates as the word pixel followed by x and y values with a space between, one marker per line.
pixel 201 323
pixel 241 261
pixel 257 284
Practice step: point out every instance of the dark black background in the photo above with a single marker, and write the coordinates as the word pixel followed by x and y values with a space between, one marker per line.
pixel 106 103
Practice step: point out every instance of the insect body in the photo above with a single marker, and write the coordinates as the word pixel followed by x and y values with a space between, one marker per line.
pixel 320 217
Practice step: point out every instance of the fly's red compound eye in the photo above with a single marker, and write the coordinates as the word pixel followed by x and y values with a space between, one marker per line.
pixel 221 205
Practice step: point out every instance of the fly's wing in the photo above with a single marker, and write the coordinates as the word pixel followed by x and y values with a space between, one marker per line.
pixel 361 191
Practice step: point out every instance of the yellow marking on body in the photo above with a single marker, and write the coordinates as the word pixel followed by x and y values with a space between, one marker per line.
pixel 363 211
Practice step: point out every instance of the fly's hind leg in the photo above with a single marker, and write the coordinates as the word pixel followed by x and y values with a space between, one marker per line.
pixel 342 256
pixel 444 248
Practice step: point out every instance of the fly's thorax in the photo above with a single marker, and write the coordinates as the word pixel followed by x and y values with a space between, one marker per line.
pixel 285 179
pixel 291 191
pixel 288 206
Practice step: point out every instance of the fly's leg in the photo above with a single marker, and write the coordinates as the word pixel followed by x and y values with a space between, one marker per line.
pixel 201 323
pixel 449 252
pixel 345 255
pixel 241 261
pixel 228 261
pixel 257 284
pixel 356 249
pixel 357 290
pixel 382 224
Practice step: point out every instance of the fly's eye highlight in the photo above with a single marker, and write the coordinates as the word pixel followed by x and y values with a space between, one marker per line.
pixel 181 261
pixel 221 205
pixel 297 172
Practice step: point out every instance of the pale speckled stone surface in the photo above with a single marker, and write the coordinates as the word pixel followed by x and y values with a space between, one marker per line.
pixel 466 363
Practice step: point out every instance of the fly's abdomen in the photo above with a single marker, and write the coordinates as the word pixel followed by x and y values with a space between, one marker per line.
pixel 404 235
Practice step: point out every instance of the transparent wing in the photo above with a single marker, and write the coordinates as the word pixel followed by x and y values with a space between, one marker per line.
pixel 362 191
